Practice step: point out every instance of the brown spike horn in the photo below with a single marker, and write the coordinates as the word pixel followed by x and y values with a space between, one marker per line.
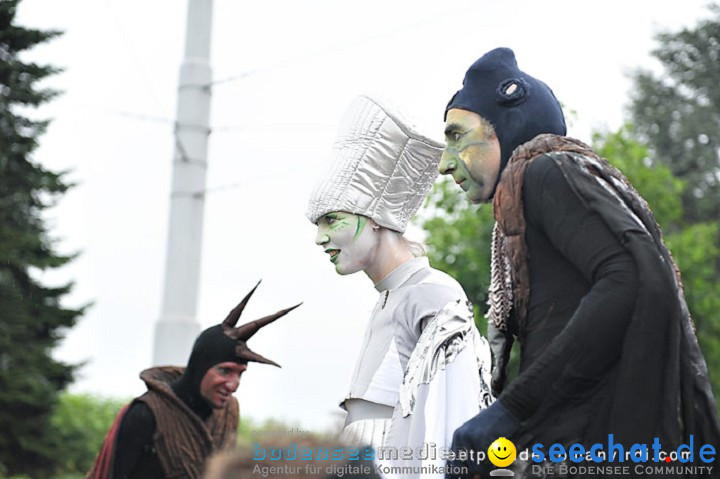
pixel 234 315
pixel 246 331
pixel 246 353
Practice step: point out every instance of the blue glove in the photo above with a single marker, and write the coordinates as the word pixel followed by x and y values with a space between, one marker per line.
pixel 478 433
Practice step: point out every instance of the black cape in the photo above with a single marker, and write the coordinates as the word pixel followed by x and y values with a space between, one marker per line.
pixel 660 387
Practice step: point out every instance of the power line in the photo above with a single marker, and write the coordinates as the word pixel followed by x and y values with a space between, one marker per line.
pixel 137 116
pixel 332 51
pixel 182 151
pixel 214 129
pixel 269 126
pixel 126 42
pixel 240 184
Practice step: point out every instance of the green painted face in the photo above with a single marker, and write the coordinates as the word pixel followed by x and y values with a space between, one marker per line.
pixel 470 156
pixel 348 241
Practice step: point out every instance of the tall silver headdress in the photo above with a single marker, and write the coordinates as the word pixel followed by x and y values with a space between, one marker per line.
pixel 379 167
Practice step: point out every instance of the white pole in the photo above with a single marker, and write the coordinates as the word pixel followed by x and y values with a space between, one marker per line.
pixel 177 327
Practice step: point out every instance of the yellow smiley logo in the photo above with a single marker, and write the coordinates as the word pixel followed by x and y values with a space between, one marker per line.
pixel 502 452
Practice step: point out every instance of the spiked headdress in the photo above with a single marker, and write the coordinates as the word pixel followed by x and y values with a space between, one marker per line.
pixel 225 343
pixel 243 333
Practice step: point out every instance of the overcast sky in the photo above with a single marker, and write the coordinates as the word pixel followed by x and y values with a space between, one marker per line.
pixel 292 67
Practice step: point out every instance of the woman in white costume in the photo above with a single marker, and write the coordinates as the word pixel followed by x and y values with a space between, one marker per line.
pixel 423 369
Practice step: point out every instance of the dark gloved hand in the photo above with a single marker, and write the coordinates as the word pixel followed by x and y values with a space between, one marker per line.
pixel 477 434
pixel 500 345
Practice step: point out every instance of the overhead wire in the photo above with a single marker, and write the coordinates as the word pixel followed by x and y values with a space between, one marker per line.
pixel 127 43
pixel 261 70
pixel 337 49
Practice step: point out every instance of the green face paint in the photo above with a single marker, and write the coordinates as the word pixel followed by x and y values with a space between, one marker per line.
pixel 471 157
pixel 346 239
pixel 361 222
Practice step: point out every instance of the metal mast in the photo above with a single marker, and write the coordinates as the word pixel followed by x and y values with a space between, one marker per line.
pixel 177 327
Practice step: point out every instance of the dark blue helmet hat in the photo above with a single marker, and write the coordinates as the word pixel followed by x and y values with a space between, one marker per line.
pixel 519 106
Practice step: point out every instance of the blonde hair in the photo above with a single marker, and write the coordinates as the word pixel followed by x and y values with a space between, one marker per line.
pixel 416 248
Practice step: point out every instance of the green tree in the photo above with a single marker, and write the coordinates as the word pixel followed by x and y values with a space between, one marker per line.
pixel 81 422
pixel 696 252
pixel 653 180
pixel 32 318
pixel 677 112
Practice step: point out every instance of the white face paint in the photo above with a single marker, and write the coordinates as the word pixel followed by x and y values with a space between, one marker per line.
pixel 349 240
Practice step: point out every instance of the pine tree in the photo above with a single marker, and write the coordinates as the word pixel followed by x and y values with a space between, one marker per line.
pixel 32 319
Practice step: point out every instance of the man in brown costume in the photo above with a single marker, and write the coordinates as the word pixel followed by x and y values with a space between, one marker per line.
pixel 187 413
pixel 581 278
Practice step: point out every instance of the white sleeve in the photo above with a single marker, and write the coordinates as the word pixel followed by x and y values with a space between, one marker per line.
pixel 447 381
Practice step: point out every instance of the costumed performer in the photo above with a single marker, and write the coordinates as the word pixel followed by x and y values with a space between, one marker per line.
pixel 423 368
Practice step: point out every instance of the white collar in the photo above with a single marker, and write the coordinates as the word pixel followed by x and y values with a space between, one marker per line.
pixel 402 273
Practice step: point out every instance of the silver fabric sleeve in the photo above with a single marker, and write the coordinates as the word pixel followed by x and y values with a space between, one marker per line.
pixel 442 340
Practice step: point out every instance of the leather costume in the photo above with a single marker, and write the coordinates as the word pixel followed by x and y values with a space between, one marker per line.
pixel 170 430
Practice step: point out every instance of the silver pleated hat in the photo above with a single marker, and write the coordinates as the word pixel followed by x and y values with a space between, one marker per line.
pixel 379 167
